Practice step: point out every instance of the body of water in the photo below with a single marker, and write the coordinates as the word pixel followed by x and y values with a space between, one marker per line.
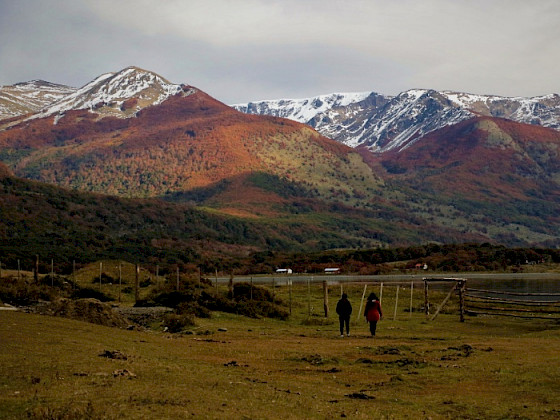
pixel 511 282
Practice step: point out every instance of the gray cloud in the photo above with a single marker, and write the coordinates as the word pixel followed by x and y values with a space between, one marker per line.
pixel 259 49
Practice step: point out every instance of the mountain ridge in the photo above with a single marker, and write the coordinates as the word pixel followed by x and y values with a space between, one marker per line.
pixel 383 123
pixel 482 178
pixel 189 140
pixel 30 97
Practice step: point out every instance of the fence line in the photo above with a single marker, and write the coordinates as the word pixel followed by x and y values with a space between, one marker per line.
pixel 512 293
pixel 516 308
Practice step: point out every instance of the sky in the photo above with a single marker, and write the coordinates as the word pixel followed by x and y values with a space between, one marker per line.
pixel 247 50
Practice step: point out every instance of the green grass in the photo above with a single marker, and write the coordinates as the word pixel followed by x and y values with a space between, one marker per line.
pixel 486 367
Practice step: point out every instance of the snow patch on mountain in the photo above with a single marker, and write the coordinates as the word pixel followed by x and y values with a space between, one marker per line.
pixel 383 123
pixel 108 94
pixel 301 110
pixel 27 97
pixel 539 110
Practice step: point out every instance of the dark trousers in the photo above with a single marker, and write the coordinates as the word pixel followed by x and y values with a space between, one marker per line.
pixel 344 321
pixel 372 327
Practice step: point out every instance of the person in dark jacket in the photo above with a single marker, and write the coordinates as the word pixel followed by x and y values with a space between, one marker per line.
pixel 344 310
pixel 373 312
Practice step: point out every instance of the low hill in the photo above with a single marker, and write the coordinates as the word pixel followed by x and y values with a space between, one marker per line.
pixel 488 174
pixel 133 134
pixel 64 225
pixel 186 141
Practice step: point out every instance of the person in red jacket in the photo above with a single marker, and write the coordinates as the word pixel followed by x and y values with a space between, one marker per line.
pixel 373 312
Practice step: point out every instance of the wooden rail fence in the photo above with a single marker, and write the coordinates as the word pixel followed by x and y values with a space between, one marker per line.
pixel 512 304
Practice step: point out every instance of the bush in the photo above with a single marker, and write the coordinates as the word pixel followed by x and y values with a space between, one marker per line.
pixel 193 308
pixel 246 291
pixel 146 283
pixel 56 281
pixel 21 292
pixel 176 323
pixel 171 299
pixel 105 279
pixel 194 302
pixel 256 309
pixel 86 293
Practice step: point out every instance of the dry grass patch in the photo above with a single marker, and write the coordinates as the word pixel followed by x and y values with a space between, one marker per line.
pixel 237 367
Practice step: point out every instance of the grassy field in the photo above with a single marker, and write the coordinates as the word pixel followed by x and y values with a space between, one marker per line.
pixel 231 366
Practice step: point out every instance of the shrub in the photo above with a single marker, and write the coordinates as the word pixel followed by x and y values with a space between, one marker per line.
pixel 86 293
pixel 193 308
pixel 171 299
pixel 146 283
pixel 56 281
pixel 257 309
pixel 21 292
pixel 195 302
pixel 105 279
pixel 176 323
pixel 246 291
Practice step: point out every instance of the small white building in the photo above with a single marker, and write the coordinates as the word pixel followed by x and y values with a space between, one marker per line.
pixel 284 271
pixel 331 270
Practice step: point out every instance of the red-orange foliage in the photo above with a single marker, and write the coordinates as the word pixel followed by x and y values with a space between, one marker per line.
pixel 459 160
pixel 183 143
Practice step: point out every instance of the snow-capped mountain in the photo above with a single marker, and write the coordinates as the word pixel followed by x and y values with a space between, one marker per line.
pixel 539 110
pixel 28 97
pixel 120 94
pixel 302 110
pixel 382 123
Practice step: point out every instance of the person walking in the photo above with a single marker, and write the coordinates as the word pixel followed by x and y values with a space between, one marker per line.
pixel 344 310
pixel 373 312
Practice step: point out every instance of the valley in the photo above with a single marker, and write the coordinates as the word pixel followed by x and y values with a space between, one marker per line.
pixel 168 156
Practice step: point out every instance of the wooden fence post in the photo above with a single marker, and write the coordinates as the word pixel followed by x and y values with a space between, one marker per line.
pixel 462 301
pixel 380 292
pixel 137 284
pixel 326 298
pixel 120 280
pixel 309 296
pixel 396 303
pixel 290 290
pixel 157 274
pixel 216 274
pixel 362 302
pixel 411 290
pixel 36 271
pixel 426 303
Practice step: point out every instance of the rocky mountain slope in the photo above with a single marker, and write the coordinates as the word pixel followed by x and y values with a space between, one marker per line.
pixel 179 139
pixel 443 173
pixel 383 123
pixel 120 94
pixel 30 97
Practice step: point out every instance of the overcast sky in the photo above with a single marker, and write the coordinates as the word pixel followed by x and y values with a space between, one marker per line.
pixel 244 50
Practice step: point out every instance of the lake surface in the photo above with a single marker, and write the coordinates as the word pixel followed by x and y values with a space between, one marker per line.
pixel 512 282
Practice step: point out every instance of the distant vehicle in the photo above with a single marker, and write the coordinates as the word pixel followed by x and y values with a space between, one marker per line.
pixel 284 271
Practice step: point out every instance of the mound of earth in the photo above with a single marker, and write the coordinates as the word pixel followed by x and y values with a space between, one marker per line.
pixel 89 310
pixel 144 316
